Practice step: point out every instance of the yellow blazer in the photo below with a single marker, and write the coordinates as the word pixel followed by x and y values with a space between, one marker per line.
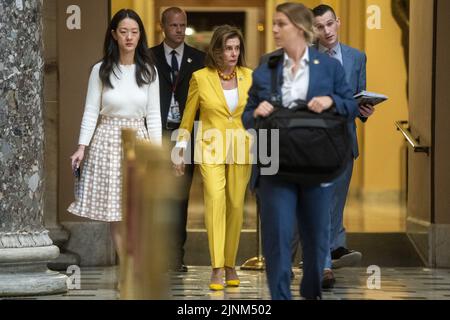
pixel 219 130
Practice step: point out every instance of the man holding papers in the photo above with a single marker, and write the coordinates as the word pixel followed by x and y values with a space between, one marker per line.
pixel 369 98
pixel 354 63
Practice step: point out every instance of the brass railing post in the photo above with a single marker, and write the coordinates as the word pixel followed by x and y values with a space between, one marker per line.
pixel 257 262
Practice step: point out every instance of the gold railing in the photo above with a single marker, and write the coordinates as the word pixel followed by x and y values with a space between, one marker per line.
pixel 148 191
pixel 414 142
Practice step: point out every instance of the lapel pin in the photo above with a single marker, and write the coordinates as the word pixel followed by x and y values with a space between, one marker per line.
pixel 189 60
pixel 316 61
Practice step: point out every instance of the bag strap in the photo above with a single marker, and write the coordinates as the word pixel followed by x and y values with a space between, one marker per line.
pixel 273 62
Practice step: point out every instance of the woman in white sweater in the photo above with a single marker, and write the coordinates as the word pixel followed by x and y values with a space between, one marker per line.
pixel 123 91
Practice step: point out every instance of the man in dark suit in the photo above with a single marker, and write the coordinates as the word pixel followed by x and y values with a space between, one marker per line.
pixel 176 61
pixel 327 26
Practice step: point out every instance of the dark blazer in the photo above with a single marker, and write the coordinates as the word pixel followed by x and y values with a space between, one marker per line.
pixel 326 78
pixel 355 68
pixel 192 61
pixel 354 63
pixel 265 58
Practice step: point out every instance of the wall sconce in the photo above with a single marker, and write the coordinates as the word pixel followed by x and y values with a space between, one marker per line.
pixel 189 31
pixel 260 27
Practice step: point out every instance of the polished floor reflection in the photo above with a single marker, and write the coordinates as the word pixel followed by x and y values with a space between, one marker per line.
pixel 373 217
pixel 351 284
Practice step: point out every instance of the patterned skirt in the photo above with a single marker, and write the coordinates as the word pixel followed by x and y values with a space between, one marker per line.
pixel 99 191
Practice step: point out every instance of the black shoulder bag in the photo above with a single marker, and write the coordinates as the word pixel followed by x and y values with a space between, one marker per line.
pixel 313 148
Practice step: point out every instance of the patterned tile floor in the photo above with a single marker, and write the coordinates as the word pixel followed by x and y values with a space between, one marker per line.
pixel 351 284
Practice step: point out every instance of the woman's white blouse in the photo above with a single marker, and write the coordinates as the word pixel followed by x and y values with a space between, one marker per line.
pixel 295 86
pixel 125 100
pixel 232 98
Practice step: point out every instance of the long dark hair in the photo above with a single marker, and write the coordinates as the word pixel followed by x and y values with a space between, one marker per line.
pixel 145 71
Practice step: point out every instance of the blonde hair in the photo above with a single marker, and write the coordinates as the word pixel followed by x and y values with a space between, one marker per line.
pixel 301 17
pixel 217 45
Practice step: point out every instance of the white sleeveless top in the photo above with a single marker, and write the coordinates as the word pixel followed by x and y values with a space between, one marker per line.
pixel 232 98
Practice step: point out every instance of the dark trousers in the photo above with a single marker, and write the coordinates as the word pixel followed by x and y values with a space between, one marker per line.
pixel 179 209
pixel 283 207
pixel 337 231
pixel 180 216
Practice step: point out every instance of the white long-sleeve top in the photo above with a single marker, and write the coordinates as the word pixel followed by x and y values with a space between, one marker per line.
pixel 126 100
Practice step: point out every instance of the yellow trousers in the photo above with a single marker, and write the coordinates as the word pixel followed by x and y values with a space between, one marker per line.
pixel 224 187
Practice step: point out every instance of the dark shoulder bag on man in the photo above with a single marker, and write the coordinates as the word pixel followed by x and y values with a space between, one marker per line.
pixel 313 148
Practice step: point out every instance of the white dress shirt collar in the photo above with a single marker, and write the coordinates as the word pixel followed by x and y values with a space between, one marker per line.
pixel 304 60
pixel 179 49
pixel 295 86
pixel 168 53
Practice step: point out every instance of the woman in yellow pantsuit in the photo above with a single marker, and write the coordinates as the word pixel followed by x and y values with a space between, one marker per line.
pixel 222 147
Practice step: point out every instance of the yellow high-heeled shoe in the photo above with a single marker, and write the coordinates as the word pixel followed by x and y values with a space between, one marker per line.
pixel 232 282
pixel 217 281
pixel 216 286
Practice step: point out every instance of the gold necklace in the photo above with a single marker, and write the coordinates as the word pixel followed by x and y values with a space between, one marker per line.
pixel 226 77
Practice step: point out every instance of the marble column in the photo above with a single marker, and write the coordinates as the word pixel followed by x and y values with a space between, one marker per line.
pixel 25 247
